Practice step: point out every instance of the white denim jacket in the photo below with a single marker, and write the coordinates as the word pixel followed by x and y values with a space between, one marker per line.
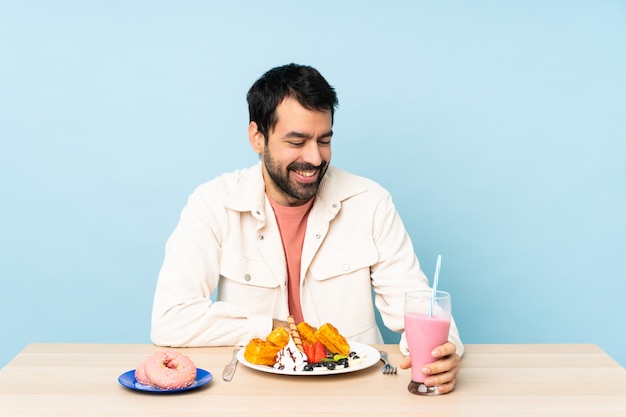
pixel 227 240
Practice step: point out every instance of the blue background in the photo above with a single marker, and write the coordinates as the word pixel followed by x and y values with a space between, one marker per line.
pixel 499 127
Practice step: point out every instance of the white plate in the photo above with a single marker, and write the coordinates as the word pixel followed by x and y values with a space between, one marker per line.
pixel 369 355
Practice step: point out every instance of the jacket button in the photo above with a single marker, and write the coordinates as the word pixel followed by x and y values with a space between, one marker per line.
pixel 261 237
pixel 317 236
pixel 247 277
pixel 345 267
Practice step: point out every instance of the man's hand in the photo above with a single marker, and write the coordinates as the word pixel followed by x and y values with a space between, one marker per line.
pixel 441 373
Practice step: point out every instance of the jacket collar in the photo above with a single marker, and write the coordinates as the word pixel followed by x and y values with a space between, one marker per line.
pixel 249 194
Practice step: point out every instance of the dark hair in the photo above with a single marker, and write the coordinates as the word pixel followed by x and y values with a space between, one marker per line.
pixel 301 82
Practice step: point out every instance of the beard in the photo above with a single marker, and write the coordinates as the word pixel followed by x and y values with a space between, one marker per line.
pixel 281 178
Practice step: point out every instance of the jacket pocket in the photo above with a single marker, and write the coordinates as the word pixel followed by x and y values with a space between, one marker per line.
pixel 250 284
pixel 247 271
pixel 334 261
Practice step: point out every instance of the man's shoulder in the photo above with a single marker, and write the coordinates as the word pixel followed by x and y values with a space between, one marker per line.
pixel 238 189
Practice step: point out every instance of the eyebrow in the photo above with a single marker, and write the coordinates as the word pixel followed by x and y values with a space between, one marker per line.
pixel 301 135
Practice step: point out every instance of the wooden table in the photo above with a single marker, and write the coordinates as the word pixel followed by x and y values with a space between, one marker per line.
pixel 496 380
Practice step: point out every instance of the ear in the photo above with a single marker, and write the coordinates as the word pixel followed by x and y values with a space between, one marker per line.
pixel 256 138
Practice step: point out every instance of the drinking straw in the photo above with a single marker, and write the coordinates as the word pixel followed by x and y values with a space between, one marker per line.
pixel 435 283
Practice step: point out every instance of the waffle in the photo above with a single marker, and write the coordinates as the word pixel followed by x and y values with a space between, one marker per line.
pixel 279 337
pixel 261 352
pixel 307 333
pixel 332 339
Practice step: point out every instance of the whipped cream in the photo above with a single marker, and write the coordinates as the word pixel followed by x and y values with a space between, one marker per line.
pixel 290 358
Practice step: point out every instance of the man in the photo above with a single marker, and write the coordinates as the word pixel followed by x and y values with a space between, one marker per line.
pixel 290 235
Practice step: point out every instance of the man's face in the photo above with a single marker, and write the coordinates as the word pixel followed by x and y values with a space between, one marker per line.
pixel 297 153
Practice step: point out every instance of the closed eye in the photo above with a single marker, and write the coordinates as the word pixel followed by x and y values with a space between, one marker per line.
pixel 298 139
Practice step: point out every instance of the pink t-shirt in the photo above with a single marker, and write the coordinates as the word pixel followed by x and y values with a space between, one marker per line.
pixel 292 225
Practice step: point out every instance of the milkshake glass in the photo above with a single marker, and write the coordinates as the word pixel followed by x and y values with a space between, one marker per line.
pixel 427 325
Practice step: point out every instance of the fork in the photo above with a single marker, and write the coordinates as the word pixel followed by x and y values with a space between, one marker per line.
pixel 388 369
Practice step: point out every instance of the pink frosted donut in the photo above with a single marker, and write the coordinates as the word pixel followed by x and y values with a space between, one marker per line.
pixel 169 369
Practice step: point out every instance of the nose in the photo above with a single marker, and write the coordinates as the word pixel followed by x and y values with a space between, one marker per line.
pixel 311 153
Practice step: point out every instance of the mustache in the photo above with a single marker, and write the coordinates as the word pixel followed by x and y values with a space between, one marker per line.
pixel 298 166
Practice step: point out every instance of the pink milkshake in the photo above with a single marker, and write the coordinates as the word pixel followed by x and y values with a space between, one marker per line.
pixel 424 334
pixel 427 318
